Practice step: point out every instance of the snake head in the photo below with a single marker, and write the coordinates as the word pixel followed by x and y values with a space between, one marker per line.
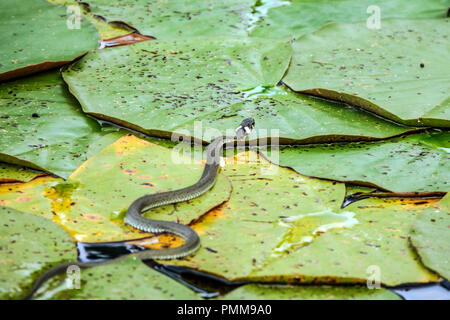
pixel 246 126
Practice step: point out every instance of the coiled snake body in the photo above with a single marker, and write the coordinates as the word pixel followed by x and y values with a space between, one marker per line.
pixel 134 213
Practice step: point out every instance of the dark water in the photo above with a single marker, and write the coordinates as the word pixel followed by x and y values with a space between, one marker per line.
pixel 209 286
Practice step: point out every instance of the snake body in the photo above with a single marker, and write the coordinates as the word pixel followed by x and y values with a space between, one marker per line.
pixel 134 213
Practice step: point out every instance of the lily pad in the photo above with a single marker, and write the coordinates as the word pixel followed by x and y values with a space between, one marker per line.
pixel 295 119
pixel 10 173
pixel 431 237
pixel 92 203
pixel 151 86
pixel 128 279
pixel 212 102
pixel 284 292
pixel 30 245
pixel 40 36
pixel 165 19
pixel 413 163
pixel 299 17
pixel 391 71
pixel 291 229
pixel 35 114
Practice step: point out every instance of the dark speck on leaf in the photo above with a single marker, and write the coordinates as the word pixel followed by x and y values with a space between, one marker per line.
pixel 35 115
pixel 211 250
pixel 422 65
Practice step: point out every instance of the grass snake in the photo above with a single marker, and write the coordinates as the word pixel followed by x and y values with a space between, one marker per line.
pixel 134 213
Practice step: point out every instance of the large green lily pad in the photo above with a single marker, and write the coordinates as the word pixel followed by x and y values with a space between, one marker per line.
pixel 399 71
pixel 42 125
pixel 165 19
pixel 36 37
pixel 300 17
pixel 295 119
pixel 291 229
pixel 303 292
pixel 128 279
pixel 413 163
pixel 214 99
pixel 92 203
pixel 29 246
pixel 431 237
pixel 157 86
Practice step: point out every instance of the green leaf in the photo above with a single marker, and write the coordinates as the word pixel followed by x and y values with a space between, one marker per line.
pixel 11 173
pixel 397 71
pixel 298 119
pixel 128 279
pixel 413 163
pixel 174 19
pixel 286 227
pixel 92 203
pixel 156 87
pixel 430 237
pixel 305 16
pixel 30 245
pixel 284 292
pixel 42 125
pixel 36 37
pixel 212 100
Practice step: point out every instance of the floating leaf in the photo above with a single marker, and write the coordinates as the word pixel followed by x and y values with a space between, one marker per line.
pixel 11 173
pixel 128 279
pixel 299 17
pixel 431 237
pixel 92 203
pixel 414 163
pixel 296 119
pixel 397 71
pixel 174 19
pixel 151 86
pixel 211 100
pixel 290 229
pixel 35 114
pixel 283 292
pixel 30 245
pixel 38 36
